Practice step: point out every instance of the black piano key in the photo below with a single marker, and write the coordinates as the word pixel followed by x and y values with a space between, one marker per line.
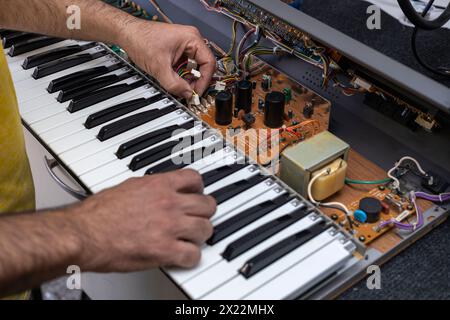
pixel 279 250
pixel 15 38
pixel 184 159
pixel 119 110
pixel 54 54
pixel 251 239
pixel 5 32
pixel 218 174
pixel 32 44
pixel 172 165
pixel 239 221
pixel 111 130
pixel 153 155
pixel 234 189
pixel 102 95
pixel 65 63
pixel 150 139
pixel 79 77
pixel 90 86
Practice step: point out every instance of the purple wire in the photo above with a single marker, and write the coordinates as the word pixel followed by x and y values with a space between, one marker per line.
pixel 411 227
pixel 434 198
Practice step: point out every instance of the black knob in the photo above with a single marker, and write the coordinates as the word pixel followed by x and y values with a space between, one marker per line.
pixel 224 108
pixel 372 207
pixel 274 109
pixel 244 90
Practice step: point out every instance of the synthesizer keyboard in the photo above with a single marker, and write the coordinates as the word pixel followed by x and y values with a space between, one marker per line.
pixel 106 122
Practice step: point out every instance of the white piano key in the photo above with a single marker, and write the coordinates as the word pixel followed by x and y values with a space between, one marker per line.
pixel 246 173
pixel 55 108
pixel 80 138
pixel 301 277
pixel 236 158
pixel 77 125
pixel 226 156
pixel 274 192
pixel 119 166
pixel 211 255
pixel 39 97
pixel 211 279
pixel 61 119
pixel 95 153
pixel 141 172
pixel 19 59
pixel 239 200
pixel 22 74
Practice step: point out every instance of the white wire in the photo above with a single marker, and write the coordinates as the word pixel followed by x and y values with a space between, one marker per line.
pixel 311 198
pixel 396 181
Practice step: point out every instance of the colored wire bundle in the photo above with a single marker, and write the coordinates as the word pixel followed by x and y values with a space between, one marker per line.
pixel 441 198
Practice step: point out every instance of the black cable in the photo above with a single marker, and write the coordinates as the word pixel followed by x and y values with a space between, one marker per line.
pixel 438 71
pixel 419 19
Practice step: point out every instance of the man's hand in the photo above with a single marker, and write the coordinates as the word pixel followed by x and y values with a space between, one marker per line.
pixel 158 47
pixel 158 220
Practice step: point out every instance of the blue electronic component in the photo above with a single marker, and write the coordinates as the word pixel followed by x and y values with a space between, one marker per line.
pixel 297 4
pixel 360 216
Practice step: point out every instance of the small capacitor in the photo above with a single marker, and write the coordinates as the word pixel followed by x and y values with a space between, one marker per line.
pixel 290 114
pixel 274 109
pixel 308 110
pixel 244 90
pixel 266 83
pixel 224 108
pixel 288 94
pixel 260 104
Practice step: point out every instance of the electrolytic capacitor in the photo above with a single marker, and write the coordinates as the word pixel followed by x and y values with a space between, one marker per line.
pixel 244 90
pixel 224 108
pixel 274 109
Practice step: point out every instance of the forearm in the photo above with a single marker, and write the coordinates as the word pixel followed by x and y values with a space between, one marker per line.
pixel 37 247
pixel 99 21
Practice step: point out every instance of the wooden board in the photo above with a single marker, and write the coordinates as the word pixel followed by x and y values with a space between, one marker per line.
pixel 361 168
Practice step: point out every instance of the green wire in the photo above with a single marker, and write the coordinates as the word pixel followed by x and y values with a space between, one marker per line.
pixel 351 181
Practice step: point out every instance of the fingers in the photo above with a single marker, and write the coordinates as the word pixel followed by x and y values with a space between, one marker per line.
pixel 195 230
pixel 199 51
pixel 188 254
pixel 173 83
pixel 197 205
pixel 185 181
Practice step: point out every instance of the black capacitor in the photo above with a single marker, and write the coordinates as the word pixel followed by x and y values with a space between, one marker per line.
pixel 224 108
pixel 372 207
pixel 244 90
pixel 274 109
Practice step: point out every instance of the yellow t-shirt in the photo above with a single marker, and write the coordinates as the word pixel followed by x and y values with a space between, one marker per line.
pixel 16 184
